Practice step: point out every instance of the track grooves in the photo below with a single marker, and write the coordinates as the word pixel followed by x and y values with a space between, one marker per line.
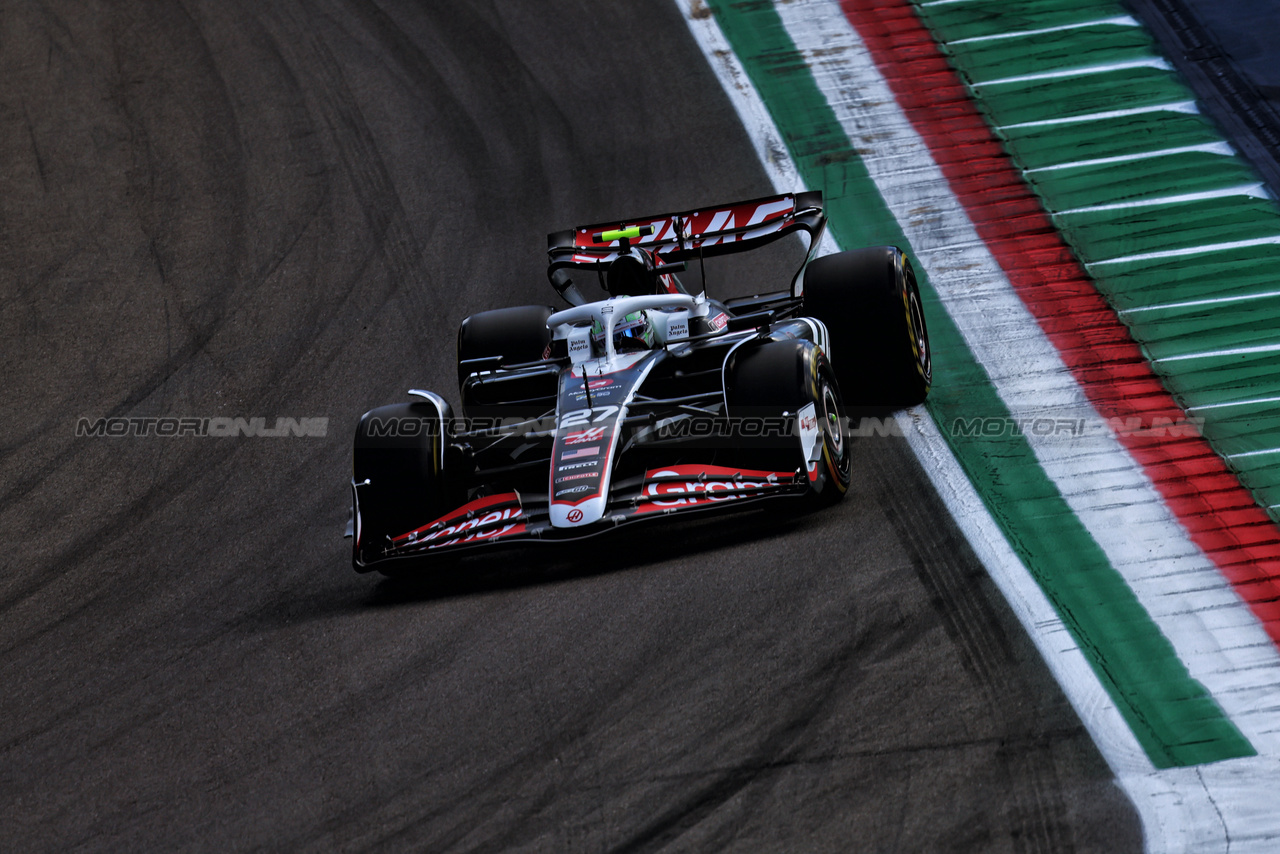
pixel 991 647
pixel 230 209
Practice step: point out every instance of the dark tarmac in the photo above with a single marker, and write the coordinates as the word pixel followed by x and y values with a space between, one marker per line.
pixel 233 209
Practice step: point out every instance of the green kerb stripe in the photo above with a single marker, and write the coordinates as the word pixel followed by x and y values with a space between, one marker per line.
pixel 1215 235
pixel 1170 713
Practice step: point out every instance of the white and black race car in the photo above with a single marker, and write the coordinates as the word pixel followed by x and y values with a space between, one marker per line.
pixel 649 402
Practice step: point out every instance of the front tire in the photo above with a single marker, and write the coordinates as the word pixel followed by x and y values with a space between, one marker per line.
pixel 870 303
pixel 397 474
pixel 775 377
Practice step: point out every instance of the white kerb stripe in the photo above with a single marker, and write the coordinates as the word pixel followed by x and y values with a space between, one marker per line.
pixel 1083 71
pixel 1231 656
pixel 1029 375
pixel 1194 303
pixel 1121 21
pixel 1221 354
pixel 1251 402
pixel 1178 807
pixel 1244 454
pixel 1189 250
pixel 1219 148
pixel 1187 107
pixel 1255 191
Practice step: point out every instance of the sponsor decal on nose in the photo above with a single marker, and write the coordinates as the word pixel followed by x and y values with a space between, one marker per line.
pixel 581 437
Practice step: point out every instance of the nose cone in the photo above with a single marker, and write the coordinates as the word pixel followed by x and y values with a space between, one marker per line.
pixel 565 515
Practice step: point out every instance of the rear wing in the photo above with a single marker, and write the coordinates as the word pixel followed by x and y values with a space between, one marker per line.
pixel 675 237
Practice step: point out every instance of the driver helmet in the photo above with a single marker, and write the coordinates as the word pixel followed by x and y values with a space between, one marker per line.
pixel 630 275
pixel 631 333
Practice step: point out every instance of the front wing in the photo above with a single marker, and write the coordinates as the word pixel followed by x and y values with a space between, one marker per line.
pixel 510 517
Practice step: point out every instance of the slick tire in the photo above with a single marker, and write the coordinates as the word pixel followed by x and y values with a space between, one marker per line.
pixel 398 477
pixel 517 334
pixel 879 345
pixel 773 381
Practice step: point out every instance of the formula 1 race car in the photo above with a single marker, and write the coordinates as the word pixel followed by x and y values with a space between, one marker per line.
pixel 648 402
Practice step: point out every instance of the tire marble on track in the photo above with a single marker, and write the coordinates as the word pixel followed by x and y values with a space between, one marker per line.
pixel 239 209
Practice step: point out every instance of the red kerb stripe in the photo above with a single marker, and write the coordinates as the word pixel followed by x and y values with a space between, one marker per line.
pixel 1219 515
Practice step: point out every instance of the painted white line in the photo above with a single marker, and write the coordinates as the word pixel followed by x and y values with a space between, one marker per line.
pixel 1034 610
pixel 1186 107
pixel 746 101
pixel 1244 454
pixel 1194 303
pixel 750 107
pixel 1120 21
pixel 1082 71
pixel 1220 148
pixel 1213 632
pixel 1202 809
pixel 1189 250
pixel 1072 670
pixel 1253 191
pixel 1026 369
pixel 1250 402
pixel 1218 354
pixel 1181 809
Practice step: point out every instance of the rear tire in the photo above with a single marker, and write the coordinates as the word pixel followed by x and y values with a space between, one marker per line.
pixel 397 469
pixel 870 303
pixel 776 377
pixel 518 334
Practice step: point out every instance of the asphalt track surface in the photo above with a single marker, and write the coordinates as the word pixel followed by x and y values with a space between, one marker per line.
pixel 229 208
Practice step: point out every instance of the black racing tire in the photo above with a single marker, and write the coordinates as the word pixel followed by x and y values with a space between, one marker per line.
pixel 517 334
pixel 879 345
pixel 776 377
pixel 399 476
